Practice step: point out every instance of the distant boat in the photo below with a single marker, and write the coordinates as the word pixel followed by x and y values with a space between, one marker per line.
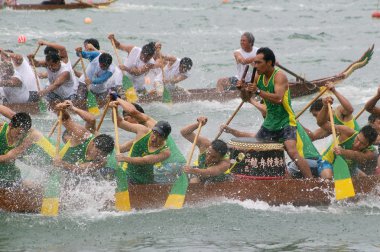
pixel 68 6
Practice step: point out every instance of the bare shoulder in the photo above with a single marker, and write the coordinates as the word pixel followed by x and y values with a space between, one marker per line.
pixel 281 77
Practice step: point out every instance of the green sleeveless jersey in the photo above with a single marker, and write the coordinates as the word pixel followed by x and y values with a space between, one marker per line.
pixel 278 115
pixel 77 154
pixel 329 154
pixel 142 174
pixel 8 171
pixel 202 165
pixel 353 124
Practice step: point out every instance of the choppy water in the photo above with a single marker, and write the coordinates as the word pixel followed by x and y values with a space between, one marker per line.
pixel 314 38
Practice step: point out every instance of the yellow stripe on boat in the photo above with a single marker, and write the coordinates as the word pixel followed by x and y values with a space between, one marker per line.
pixel 50 206
pixel 122 202
pixel 344 189
pixel 175 201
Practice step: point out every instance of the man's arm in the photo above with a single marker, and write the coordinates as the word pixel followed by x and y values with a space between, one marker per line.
pixel 370 106
pixel 62 52
pixel 188 133
pixel 137 71
pixel 148 159
pixel 16 58
pixel 240 59
pixel 7 112
pixel 79 133
pixel 61 79
pixel 89 119
pixel 211 171
pixel 346 108
pixel 124 47
pixel 323 115
pixel 11 82
pixel 235 132
pixel 26 143
pixel 83 168
pixel 261 107
pixel 358 156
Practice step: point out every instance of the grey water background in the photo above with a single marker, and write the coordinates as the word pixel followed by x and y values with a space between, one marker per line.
pixel 313 38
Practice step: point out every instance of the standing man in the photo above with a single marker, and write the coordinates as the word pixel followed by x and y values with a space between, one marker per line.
pixel 279 125
pixel 243 56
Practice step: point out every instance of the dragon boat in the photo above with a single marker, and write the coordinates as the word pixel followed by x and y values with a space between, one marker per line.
pixel 68 6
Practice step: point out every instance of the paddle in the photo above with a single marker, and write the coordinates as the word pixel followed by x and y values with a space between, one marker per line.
pixel 309 85
pixel 41 103
pixel 311 102
pixel 166 95
pixel 50 202
pixel 241 103
pixel 53 128
pixel 342 177
pixel 239 158
pixel 360 113
pixel 130 92
pixel 103 115
pixel 122 202
pixel 177 194
pixel 92 104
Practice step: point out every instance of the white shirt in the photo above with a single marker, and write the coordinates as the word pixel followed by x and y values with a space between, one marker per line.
pixel 133 60
pixel 240 67
pixel 27 74
pixel 17 94
pixel 70 86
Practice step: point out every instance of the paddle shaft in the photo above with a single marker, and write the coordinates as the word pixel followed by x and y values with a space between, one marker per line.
pixel 58 134
pixel 194 144
pixel 292 73
pixel 230 119
pixel 34 69
pixel 117 147
pixel 53 128
pixel 104 114
pixel 310 103
pixel 332 125
pixel 241 103
pixel 36 51
pixel 76 63
pixel 116 53
pixel 359 114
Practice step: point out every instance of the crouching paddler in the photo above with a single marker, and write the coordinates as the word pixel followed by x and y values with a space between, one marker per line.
pixel 148 149
pixel 84 153
pixel 213 160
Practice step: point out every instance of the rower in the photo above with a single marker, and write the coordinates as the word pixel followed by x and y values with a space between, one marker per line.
pixel 167 170
pixel 149 148
pixel 21 65
pixel 354 146
pixel 84 153
pixel 213 160
pixel 138 63
pixel 16 138
pixel 342 114
pixel 99 74
pixel 243 56
pixel 62 81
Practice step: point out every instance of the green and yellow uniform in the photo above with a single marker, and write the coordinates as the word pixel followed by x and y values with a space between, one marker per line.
pixel 76 154
pixel 41 152
pixel 353 124
pixel 329 154
pixel 278 115
pixel 142 174
pixel 9 172
pixel 202 165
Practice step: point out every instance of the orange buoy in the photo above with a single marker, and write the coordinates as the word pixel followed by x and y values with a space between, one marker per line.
pixel 376 14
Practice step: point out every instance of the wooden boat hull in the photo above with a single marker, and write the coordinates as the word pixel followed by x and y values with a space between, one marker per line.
pixel 314 192
pixel 68 6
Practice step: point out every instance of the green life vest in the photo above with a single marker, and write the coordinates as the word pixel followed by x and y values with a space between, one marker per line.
pixel 142 174
pixel 202 165
pixel 77 154
pixel 353 124
pixel 8 171
pixel 278 115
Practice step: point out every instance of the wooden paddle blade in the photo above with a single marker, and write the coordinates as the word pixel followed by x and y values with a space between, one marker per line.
pixel 50 202
pixel 122 201
pixel 92 105
pixel 342 178
pixel 130 92
pixel 176 197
